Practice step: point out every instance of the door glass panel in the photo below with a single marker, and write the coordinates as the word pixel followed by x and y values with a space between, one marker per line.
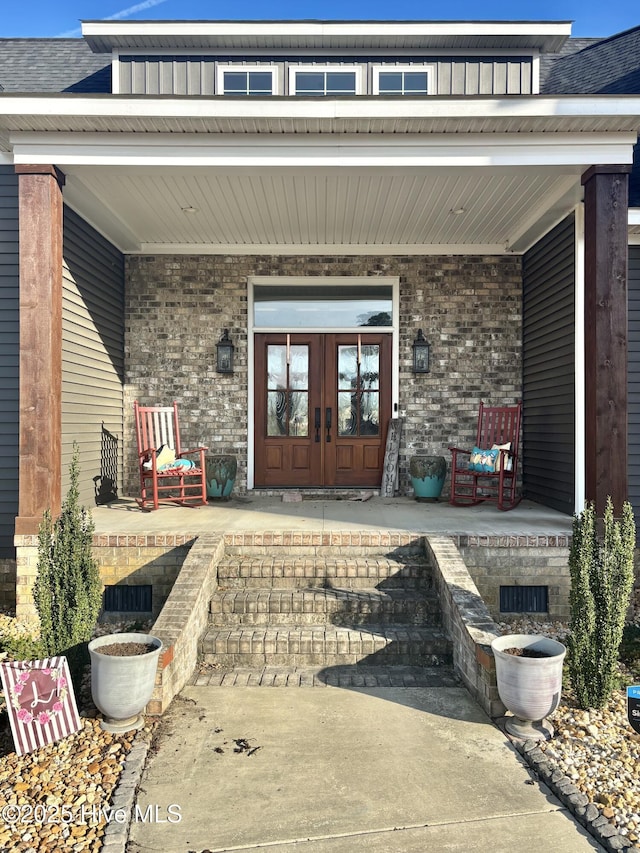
pixel 370 413
pixel 359 406
pixel 299 367
pixel 287 390
pixel 347 413
pixel 347 367
pixel 298 413
pixel 370 367
pixel 276 367
pixel 276 413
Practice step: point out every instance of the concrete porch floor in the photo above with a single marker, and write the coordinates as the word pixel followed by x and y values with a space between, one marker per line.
pixel 257 513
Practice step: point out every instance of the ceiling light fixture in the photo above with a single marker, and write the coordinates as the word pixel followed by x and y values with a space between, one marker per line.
pixel 456 211
pixel 189 209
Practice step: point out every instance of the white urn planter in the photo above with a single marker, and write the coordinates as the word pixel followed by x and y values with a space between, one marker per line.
pixel 529 683
pixel 122 684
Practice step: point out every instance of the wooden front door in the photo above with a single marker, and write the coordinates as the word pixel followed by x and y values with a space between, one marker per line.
pixel 322 406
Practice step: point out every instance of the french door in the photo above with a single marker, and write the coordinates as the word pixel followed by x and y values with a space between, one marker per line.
pixel 322 406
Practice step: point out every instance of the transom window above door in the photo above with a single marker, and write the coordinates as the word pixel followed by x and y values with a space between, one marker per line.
pixel 403 80
pixel 325 80
pixel 241 80
pixel 322 306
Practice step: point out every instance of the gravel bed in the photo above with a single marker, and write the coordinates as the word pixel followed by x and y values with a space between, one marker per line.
pixel 64 797
pixel 593 761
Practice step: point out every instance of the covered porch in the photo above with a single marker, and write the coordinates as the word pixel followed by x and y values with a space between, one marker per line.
pixel 492 218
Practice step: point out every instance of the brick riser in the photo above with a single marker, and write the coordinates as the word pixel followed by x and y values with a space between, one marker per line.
pixel 311 610
pixel 261 573
pixel 324 646
pixel 318 606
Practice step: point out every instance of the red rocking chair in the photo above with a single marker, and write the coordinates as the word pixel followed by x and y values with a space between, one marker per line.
pixel 165 472
pixel 489 472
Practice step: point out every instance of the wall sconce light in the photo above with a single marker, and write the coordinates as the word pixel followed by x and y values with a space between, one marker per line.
pixel 421 354
pixel 224 354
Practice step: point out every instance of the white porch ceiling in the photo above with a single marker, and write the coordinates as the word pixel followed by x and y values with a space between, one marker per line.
pixel 358 210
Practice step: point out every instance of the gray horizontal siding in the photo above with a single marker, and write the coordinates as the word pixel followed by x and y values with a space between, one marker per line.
pixel 9 357
pixel 634 379
pixel 92 358
pixel 549 369
pixel 196 75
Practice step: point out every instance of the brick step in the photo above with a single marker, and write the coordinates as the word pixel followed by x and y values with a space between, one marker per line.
pixel 334 676
pixel 317 606
pixel 291 572
pixel 294 645
pixel 345 545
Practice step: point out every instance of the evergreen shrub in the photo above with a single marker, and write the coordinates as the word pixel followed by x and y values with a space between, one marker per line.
pixel 602 576
pixel 68 589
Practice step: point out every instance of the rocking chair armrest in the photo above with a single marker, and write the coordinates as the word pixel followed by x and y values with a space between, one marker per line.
pixel 460 450
pixel 192 450
pixel 148 452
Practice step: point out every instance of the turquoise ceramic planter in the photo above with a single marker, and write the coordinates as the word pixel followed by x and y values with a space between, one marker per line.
pixel 427 476
pixel 221 475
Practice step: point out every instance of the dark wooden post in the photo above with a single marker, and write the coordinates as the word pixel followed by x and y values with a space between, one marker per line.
pixel 606 259
pixel 40 222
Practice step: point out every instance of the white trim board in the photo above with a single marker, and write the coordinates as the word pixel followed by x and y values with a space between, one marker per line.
pixel 303 151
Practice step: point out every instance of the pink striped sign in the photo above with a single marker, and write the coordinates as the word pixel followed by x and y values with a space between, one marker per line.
pixel 40 702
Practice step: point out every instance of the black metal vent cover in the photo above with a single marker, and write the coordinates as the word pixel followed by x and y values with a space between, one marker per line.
pixel 128 599
pixel 524 599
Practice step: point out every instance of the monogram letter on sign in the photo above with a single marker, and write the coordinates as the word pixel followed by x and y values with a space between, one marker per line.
pixel 40 702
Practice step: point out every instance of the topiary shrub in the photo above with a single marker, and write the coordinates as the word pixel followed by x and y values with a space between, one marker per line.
pixel 68 590
pixel 601 583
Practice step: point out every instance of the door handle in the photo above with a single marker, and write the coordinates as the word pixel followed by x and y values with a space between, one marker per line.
pixel 328 422
pixel 317 424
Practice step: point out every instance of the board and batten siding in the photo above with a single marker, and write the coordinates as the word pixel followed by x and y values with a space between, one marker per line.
pixel 92 360
pixel 549 369
pixel 633 427
pixel 196 75
pixel 9 357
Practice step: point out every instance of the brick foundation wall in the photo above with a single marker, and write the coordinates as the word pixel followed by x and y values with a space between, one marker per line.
pixel 158 566
pixel 120 561
pixel 492 568
pixel 469 308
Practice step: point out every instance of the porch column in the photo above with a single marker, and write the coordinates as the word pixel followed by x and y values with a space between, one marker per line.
pixel 606 259
pixel 40 269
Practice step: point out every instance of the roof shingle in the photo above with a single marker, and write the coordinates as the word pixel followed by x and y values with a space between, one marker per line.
pixel 52 65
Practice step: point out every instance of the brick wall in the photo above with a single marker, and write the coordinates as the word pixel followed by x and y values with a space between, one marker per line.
pixel 120 561
pixel 137 565
pixel 466 620
pixel 184 619
pixel 469 308
pixel 547 566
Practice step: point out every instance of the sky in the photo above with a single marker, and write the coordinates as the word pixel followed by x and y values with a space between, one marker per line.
pixel 47 19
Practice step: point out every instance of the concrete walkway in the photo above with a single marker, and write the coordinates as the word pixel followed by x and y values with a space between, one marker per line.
pixel 384 770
